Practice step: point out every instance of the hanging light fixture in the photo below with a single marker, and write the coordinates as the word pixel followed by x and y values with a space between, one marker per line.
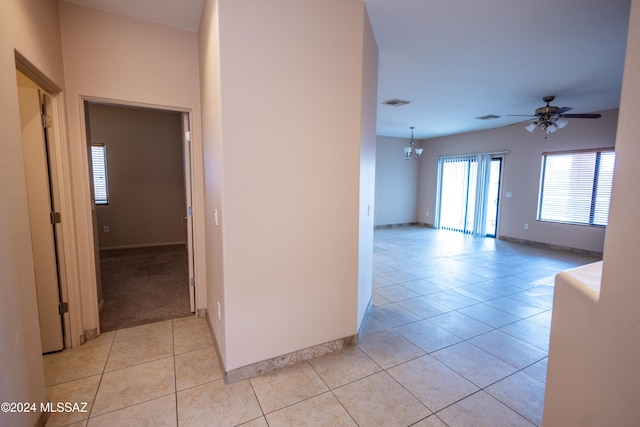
pixel 548 125
pixel 410 152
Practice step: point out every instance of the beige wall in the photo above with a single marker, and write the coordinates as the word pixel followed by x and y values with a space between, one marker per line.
pixel 593 377
pixel 396 183
pixel 282 88
pixel 521 175
pixel 26 26
pixel 145 174
pixel 128 61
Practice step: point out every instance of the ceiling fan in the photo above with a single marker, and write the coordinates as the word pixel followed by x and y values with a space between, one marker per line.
pixel 550 118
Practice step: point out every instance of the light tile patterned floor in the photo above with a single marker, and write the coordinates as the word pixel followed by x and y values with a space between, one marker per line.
pixel 458 336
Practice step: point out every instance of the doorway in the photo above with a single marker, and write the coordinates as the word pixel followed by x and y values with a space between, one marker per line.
pixel 140 169
pixel 36 120
pixel 467 197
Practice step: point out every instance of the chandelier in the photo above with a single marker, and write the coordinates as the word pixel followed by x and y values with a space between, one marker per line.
pixel 410 152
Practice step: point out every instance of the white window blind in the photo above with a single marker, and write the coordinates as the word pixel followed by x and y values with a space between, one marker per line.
pixel 462 192
pixel 575 187
pixel 99 166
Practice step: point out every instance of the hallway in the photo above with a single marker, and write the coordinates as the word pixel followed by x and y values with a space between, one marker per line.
pixel 457 336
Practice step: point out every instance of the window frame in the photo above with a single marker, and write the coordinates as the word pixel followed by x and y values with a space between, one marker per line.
pixel 597 172
pixel 100 191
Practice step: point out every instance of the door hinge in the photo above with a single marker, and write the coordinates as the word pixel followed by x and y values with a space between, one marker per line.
pixel 187 136
pixel 63 307
pixel 189 211
pixel 55 218
pixel 47 121
pixel 192 281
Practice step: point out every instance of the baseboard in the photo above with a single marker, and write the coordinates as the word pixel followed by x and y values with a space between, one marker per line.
pixel 586 252
pixel 425 224
pixel 279 362
pixel 405 224
pixel 365 319
pixel 145 245
pixel 43 419
pixel 89 334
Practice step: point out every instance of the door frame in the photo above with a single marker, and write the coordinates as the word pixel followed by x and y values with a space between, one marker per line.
pixel 501 159
pixel 60 184
pixel 187 118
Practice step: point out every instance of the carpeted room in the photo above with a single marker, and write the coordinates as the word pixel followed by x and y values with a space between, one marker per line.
pixel 139 217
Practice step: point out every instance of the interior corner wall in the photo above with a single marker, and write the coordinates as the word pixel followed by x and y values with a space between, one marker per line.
pixel 119 59
pixel 284 93
pixel 31 28
pixel 521 176
pixel 396 183
pixel 145 168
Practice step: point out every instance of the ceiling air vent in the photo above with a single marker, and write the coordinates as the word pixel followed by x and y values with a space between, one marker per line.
pixel 395 102
pixel 488 117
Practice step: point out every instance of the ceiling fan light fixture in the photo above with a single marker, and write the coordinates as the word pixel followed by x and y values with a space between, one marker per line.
pixel 562 123
pixel 531 126
pixel 551 128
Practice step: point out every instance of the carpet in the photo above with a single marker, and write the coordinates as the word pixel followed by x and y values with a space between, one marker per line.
pixel 143 285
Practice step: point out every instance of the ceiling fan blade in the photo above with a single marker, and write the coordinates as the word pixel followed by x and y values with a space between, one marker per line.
pixel 562 110
pixel 581 116
pixel 523 121
pixel 520 115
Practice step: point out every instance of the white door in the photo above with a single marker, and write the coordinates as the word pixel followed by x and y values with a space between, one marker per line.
pixel 41 218
pixel 186 137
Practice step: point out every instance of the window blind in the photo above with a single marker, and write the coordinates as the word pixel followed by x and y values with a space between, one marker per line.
pixel 99 166
pixel 575 187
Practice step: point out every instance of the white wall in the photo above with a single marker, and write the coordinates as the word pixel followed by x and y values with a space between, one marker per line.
pixel 282 100
pixel 26 26
pixel 369 100
pixel 593 377
pixel 396 183
pixel 209 48
pixel 129 61
pixel 521 175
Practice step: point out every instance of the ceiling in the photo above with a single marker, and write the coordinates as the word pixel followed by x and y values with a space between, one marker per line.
pixel 461 59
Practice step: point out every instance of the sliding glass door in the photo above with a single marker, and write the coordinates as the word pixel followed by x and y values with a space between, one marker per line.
pixel 467 194
pixel 458 193
pixel 493 197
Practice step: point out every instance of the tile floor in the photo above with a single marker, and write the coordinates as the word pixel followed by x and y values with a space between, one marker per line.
pixel 457 336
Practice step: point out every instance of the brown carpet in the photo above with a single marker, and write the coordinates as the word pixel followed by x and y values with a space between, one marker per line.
pixel 143 285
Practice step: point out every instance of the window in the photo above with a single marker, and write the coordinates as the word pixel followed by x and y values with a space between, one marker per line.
pixel 575 187
pixel 99 166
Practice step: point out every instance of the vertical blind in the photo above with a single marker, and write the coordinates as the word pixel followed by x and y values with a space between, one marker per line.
pixel 99 167
pixel 463 183
pixel 575 187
